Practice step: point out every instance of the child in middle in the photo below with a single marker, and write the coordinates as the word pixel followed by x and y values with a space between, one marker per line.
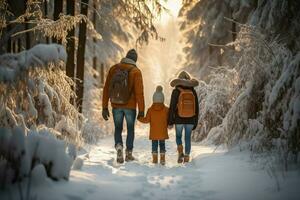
pixel 157 116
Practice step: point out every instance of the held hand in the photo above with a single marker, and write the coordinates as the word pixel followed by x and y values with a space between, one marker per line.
pixel 194 128
pixel 196 125
pixel 105 114
pixel 141 114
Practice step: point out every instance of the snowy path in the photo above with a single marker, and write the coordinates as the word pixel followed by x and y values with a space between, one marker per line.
pixel 218 175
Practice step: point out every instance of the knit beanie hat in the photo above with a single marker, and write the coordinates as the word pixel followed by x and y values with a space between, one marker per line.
pixel 158 96
pixel 131 54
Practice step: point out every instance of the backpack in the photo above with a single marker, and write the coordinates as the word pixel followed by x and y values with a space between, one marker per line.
pixel 119 91
pixel 186 105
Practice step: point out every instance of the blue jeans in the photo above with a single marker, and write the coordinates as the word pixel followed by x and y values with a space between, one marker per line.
pixel 118 115
pixel 162 146
pixel 187 137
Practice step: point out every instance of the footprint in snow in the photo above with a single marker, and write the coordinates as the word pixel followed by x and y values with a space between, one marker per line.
pixel 73 197
pixel 112 162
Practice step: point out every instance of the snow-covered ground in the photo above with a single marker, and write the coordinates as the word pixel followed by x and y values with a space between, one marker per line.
pixel 210 175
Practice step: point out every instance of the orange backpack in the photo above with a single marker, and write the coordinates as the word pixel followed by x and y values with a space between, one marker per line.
pixel 186 103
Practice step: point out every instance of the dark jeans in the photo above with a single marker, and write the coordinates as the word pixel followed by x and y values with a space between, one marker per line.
pixel 162 146
pixel 118 115
pixel 187 136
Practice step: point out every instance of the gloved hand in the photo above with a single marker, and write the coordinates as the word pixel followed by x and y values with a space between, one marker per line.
pixel 195 126
pixel 105 114
pixel 141 114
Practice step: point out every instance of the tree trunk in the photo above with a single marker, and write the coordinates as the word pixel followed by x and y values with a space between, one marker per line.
pixel 27 35
pixel 14 46
pixel 95 60
pixel 233 29
pixel 102 75
pixel 80 55
pixel 95 18
pixel 19 45
pixel 46 15
pixel 70 67
pixel 28 38
pixel 58 8
pixel 94 39
pixel 8 49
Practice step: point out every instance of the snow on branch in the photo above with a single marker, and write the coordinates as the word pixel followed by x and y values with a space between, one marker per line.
pixel 36 90
pixel 12 65
pixel 259 108
pixel 36 114
pixel 265 114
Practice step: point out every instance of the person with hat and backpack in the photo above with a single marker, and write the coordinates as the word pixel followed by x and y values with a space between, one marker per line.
pixel 124 88
pixel 183 112
pixel 157 116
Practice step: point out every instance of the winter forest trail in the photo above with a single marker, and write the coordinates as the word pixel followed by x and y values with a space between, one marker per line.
pixel 210 175
pixel 52 129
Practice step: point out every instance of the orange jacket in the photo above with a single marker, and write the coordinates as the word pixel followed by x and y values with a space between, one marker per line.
pixel 157 116
pixel 135 82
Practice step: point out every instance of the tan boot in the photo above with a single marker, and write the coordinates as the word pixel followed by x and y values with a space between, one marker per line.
pixel 154 158
pixel 120 158
pixel 162 158
pixel 129 156
pixel 186 158
pixel 180 153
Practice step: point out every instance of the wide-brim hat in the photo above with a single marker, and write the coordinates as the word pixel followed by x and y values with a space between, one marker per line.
pixel 184 79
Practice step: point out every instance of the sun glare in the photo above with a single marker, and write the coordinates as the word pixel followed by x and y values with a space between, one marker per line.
pixel 173 6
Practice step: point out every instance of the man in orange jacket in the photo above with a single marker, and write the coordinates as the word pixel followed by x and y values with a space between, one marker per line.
pixel 125 110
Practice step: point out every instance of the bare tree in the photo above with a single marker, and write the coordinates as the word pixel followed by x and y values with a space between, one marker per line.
pixel 70 67
pixel 80 55
pixel 27 36
pixel 46 15
pixel 58 8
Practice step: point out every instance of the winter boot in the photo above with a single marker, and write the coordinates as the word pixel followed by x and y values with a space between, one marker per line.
pixel 180 153
pixel 186 158
pixel 162 158
pixel 154 158
pixel 120 158
pixel 129 156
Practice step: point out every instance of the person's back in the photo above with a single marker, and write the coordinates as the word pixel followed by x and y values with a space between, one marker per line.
pixel 184 111
pixel 175 116
pixel 157 116
pixel 124 88
pixel 135 84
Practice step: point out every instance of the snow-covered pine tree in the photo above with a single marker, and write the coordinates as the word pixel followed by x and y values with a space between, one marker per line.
pixel 263 110
pixel 36 114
